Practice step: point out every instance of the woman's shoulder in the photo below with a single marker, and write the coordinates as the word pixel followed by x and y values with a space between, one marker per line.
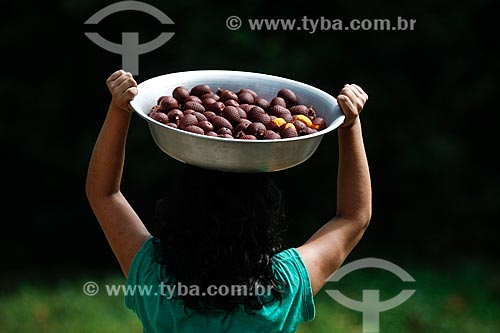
pixel 287 255
pixel 289 263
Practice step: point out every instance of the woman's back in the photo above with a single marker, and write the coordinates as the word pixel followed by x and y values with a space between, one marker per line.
pixel 162 311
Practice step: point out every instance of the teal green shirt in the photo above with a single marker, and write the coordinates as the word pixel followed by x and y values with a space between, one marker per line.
pixel 159 314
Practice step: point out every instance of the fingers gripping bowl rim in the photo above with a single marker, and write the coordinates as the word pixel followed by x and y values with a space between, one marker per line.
pixel 233 155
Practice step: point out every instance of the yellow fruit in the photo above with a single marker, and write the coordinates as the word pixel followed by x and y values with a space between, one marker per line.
pixel 304 119
pixel 279 122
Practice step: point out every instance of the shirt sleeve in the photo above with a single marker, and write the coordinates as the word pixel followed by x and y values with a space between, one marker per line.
pixel 141 266
pixel 292 270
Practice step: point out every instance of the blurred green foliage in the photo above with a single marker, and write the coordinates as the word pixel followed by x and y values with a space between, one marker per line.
pixel 459 299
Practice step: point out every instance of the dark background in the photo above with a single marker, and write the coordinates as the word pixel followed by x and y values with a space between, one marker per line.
pixel 430 126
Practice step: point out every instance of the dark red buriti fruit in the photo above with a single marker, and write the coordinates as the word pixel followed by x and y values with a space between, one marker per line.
pixel 194 129
pixel 232 114
pixel 271 135
pixel 319 124
pixel 187 120
pixel 180 94
pixel 188 111
pixel 276 124
pixel 246 98
pixel 161 117
pixel 210 95
pixel 247 137
pixel 243 114
pixel 194 106
pixel 299 109
pixel 310 130
pixel 211 134
pixel 300 126
pixel 224 130
pixel 255 112
pixel 250 91
pixel 278 101
pixel 209 114
pixel 206 126
pixel 242 126
pixel 257 129
pixel 216 107
pixel 207 101
pixel 289 131
pixel 199 116
pixel 231 102
pixel 193 98
pixel 200 90
pixel 287 116
pixel 263 103
pixel 152 114
pixel 289 97
pixel 227 95
pixel 175 115
pixel 275 110
pixel 225 136
pixel 171 125
pixel 168 103
pixel 281 112
pixel 263 118
pixel 159 100
pixel 220 122
pixel 246 107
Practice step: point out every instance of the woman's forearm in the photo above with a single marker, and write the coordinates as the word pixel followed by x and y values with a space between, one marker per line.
pixel 353 184
pixel 106 164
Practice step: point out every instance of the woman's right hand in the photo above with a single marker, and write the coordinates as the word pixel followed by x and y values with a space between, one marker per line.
pixel 351 99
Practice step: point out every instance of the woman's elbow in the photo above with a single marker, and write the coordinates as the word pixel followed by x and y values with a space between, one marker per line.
pixel 364 218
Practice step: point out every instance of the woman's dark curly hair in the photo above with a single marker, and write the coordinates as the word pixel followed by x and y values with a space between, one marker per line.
pixel 216 228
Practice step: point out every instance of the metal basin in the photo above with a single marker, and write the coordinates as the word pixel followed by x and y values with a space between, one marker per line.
pixel 233 155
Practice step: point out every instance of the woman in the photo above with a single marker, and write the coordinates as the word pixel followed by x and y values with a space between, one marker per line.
pixel 215 258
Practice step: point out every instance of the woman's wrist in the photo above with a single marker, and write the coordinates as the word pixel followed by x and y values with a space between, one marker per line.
pixel 117 109
pixel 353 125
